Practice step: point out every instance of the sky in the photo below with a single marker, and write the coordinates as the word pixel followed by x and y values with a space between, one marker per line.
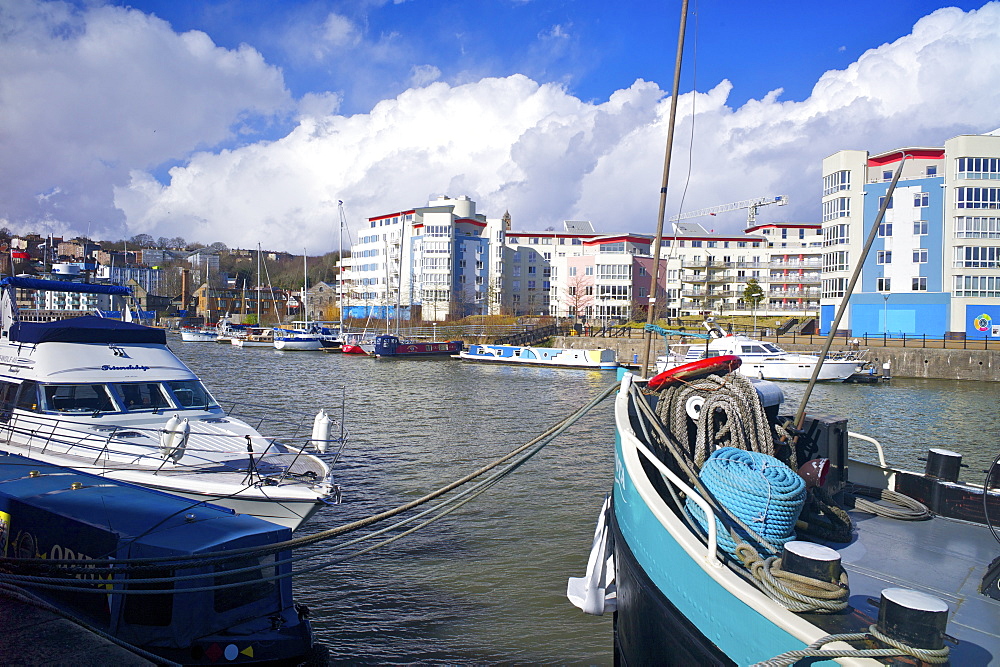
pixel 246 121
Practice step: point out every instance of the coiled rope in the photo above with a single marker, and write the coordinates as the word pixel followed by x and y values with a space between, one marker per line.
pixel 759 489
pixel 794 591
pixel 908 509
pixel 816 650
pixel 745 425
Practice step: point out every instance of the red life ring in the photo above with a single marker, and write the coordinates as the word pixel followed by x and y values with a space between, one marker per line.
pixel 696 369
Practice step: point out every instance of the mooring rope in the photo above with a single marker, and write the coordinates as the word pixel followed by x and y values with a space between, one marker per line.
pixel 519 456
pixel 816 650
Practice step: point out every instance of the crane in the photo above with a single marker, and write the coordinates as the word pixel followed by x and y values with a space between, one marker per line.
pixel 751 204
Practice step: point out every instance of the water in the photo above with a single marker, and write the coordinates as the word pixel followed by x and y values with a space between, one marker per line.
pixel 487 584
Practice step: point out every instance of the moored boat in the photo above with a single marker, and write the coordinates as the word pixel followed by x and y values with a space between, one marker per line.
pixel 388 345
pixel 763 360
pixel 73 540
pixel 731 537
pixel 599 359
pixel 111 398
pixel 198 335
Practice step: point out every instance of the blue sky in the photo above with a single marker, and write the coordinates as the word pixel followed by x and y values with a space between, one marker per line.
pixel 241 119
pixel 593 47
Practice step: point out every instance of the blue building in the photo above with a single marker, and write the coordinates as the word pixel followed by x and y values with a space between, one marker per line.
pixel 934 266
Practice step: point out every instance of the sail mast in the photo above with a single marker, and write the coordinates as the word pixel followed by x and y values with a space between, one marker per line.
pixel 648 335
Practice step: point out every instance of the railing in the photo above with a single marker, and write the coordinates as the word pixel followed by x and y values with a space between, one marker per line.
pixel 533 335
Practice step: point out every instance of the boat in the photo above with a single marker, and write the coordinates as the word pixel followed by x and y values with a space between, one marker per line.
pixel 77 542
pixel 358 344
pixel 226 331
pixel 597 359
pixel 388 345
pixel 779 544
pixel 109 397
pixel 255 337
pixel 198 334
pixel 763 360
pixel 297 338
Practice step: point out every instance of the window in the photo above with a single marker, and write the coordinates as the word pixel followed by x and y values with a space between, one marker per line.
pixel 836 235
pixel 931 170
pixel 977 197
pixel 838 180
pixel 977 286
pixel 979 167
pixel 572 271
pixel 881 203
pixel 921 199
pixel 836 261
pixel 885 229
pixel 977 257
pixel 920 256
pixel 532 270
pixel 531 284
pixel 589 271
pixel 920 228
pixel 614 271
pixel 977 228
pixel 613 247
pixel 517 270
pixel 695 244
pixel 27 397
pixel 78 398
pixel 882 284
pixel 834 287
pixel 919 284
pixel 886 175
pixel 191 394
pixel 142 396
pixel 883 257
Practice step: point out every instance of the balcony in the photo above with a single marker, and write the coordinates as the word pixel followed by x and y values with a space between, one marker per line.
pixel 794 278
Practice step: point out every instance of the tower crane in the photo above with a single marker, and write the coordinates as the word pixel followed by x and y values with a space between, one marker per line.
pixel 751 204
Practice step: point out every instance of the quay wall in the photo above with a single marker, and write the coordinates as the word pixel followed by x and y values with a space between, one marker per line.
pixel 944 364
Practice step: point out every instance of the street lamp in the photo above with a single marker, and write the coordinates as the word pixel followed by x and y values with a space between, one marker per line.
pixel 885 316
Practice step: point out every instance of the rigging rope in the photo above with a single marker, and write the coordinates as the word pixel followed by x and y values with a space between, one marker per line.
pixel 816 650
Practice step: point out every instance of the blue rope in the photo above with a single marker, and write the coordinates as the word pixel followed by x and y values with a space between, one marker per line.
pixel 759 490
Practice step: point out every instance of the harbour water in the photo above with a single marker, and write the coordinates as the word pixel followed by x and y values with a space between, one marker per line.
pixel 487 584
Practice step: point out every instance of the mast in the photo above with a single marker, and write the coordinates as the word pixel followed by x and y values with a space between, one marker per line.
pixel 305 287
pixel 663 190
pixel 340 272
pixel 258 284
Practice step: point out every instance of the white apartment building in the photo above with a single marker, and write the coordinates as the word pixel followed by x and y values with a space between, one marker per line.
pixel 934 266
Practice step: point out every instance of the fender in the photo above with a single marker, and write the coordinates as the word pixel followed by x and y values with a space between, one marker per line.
pixel 696 369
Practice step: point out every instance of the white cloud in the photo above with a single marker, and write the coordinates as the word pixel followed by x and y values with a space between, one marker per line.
pixel 509 143
pixel 89 95
pixel 421 75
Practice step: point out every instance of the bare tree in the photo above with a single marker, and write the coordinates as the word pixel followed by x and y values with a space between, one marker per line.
pixel 577 294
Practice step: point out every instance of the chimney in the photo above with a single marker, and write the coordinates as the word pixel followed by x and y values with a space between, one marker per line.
pixel 185 289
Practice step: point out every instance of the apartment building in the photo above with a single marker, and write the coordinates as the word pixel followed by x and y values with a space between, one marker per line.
pixel 934 265
pixel 445 260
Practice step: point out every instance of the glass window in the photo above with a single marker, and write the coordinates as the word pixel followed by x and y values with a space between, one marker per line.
pixel 920 228
pixel 138 396
pixel 78 398
pixel 191 394
pixel 920 284
pixel 883 284
pixel 921 199
pixel 885 229
pixel 920 255
pixel 931 170
pixel 883 257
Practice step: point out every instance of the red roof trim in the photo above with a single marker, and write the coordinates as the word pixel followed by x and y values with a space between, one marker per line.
pixel 392 215
pixel 779 225
pixel 896 156
pixel 470 221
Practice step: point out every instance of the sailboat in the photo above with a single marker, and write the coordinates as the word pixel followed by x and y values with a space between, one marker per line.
pixel 303 335
pixel 257 336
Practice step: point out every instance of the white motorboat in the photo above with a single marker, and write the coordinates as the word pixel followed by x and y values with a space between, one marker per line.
pixel 599 359
pixel 763 360
pixel 198 335
pixel 110 398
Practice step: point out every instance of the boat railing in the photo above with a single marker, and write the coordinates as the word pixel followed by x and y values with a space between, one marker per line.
pixel 712 547
pixel 876 443
pixel 101 446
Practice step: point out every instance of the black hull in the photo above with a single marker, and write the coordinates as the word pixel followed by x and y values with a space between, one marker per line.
pixel 649 630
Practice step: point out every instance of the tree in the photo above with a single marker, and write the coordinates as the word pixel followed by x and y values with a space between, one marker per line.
pixel 142 241
pixel 577 294
pixel 753 294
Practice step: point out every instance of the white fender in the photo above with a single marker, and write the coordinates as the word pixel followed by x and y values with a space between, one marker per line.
pixel 322 425
pixel 173 438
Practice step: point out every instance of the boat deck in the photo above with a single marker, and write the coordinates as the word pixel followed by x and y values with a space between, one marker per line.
pixel 941 557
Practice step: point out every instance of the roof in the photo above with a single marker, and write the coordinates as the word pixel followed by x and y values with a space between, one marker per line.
pixel 86 329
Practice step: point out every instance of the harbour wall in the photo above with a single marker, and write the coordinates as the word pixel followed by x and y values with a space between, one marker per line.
pixel 944 364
